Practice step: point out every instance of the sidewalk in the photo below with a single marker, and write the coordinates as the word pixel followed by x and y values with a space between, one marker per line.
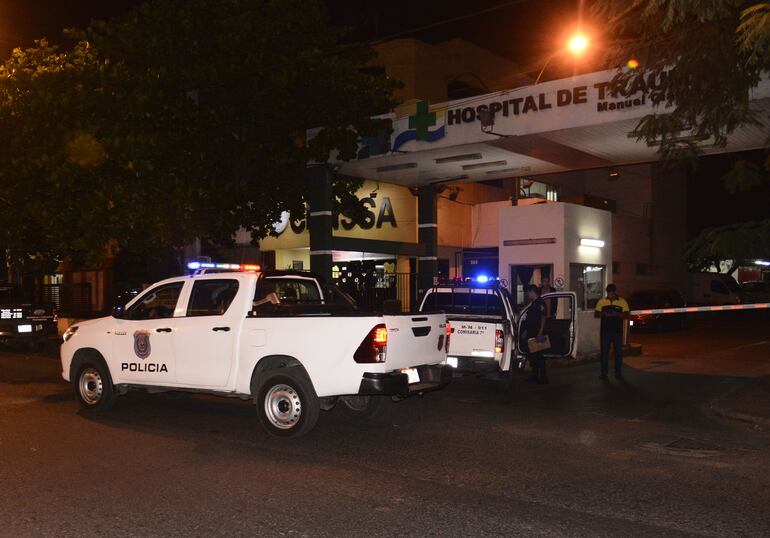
pixel 749 402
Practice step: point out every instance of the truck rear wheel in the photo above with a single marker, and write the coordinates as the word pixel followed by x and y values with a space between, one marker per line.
pixel 363 406
pixel 287 404
pixel 94 389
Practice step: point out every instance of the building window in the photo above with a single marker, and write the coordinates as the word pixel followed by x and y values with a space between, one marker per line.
pixel 587 281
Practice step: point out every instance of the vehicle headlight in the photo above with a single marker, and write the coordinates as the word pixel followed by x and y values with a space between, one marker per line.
pixel 70 332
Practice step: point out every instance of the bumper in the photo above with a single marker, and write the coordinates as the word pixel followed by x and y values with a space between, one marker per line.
pixel 38 332
pixel 432 377
pixel 473 365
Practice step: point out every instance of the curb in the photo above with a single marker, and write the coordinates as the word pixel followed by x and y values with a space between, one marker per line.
pixel 740 417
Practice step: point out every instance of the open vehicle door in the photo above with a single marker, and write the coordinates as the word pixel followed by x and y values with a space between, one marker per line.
pixel 561 328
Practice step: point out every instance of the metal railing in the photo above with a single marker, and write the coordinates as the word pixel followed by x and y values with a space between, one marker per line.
pixel 72 300
pixel 384 292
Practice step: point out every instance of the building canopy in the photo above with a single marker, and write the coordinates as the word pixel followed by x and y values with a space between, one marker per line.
pixel 574 123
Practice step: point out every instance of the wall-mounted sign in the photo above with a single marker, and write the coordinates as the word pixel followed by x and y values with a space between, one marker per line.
pixel 376 214
pixel 605 94
pixel 390 215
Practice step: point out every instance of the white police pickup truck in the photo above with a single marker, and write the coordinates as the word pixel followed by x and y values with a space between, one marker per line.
pixel 486 327
pixel 290 341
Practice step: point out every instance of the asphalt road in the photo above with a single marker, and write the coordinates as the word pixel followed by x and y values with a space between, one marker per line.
pixel 576 458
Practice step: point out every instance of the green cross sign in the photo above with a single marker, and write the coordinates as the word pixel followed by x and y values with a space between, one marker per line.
pixel 421 120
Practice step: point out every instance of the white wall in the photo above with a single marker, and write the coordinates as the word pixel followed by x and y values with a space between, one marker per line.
pixel 541 221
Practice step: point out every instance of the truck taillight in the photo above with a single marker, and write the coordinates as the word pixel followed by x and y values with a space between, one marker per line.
pixel 448 334
pixel 499 340
pixel 374 347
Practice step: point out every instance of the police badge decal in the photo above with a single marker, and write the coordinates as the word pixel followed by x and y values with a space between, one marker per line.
pixel 142 344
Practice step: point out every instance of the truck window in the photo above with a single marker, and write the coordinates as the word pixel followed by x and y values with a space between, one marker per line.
pixel 290 290
pixel 158 303
pixel 211 297
pixel 464 302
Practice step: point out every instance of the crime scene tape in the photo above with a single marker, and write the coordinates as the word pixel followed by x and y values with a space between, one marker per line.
pixel 688 309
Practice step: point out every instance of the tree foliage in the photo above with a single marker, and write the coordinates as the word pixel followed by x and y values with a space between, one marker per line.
pixel 708 54
pixel 182 119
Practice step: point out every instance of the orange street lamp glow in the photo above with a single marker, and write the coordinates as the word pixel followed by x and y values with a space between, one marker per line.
pixel 578 44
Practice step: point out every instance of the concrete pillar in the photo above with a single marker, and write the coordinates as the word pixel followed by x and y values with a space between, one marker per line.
pixel 320 220
pixel 427 235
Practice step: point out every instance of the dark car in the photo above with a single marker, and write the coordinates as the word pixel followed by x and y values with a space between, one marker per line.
pixel 756 291
pixel 656 299
pixel 23 321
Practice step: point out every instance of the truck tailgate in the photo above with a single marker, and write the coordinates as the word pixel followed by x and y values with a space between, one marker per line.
pixel 414 339
pixel 473 338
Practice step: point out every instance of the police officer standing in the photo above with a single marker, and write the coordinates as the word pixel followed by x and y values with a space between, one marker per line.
pixel 534 325
pixel 613 311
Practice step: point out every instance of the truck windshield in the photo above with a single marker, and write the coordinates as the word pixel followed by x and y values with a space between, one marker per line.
pixel 466 301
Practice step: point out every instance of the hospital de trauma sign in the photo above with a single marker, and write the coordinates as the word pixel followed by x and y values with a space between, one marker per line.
pixel 608 95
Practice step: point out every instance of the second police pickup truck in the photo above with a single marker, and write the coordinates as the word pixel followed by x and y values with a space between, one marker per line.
pixel 485 325
pixel 288 340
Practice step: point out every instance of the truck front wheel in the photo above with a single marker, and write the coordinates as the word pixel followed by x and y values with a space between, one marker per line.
pixel 287 403
pixel 94 389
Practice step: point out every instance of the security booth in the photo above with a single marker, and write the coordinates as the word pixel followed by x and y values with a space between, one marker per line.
pixel 570 244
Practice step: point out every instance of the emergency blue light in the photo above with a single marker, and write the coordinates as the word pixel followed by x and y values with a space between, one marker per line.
pixel 482 279
pixel 194 265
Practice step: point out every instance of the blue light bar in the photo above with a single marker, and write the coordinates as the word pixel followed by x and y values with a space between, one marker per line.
pixel 194 265
pixel 482 279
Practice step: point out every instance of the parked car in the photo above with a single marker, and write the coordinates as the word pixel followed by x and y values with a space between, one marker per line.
pixel 756 291
pixel 712 289
pixel 656 299
pixel 288 340
pixel 24 321
pixel 485 326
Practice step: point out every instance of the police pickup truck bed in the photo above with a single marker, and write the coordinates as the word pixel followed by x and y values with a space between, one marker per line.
pixel 485 326
pixel 21 320
pixel 288 340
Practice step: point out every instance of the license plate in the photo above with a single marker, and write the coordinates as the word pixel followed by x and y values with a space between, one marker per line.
pixel 412 374
pixel 24 328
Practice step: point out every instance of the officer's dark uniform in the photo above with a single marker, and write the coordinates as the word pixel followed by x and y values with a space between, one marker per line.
pixel 532 319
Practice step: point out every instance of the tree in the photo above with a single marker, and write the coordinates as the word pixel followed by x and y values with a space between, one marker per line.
pixel 708 54
pixel 183 119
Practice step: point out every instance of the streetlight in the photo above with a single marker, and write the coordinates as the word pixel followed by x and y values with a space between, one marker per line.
pixel 576 45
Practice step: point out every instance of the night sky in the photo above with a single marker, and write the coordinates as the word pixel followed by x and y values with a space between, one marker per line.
pixel 526 31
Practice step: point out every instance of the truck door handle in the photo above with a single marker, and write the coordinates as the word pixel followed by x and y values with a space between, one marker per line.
pixel 163 330
pixel 221 329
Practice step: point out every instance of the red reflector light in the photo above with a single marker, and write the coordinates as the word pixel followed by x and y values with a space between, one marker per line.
pixel 448 334
pixel 499 340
